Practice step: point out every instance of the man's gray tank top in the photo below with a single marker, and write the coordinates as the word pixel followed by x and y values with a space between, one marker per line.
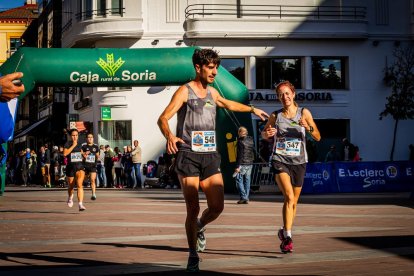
pixel 198 114
pixel 290 140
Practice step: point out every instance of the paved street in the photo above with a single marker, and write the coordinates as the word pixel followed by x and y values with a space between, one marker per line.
pixel 142 232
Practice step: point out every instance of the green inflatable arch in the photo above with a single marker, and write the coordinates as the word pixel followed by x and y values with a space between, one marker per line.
pixel 131 67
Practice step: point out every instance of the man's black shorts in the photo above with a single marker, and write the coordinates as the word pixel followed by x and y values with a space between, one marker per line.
pixel 296 172
pixel 203 165
pixel 72 168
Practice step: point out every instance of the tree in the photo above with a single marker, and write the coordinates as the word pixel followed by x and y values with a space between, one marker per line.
pixel 400 77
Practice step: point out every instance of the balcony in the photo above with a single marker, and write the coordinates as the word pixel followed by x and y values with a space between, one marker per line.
pixel 275 21
pixel 82 29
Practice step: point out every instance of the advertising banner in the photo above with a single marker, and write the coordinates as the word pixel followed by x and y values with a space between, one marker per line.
pixel 374 176
pixel 319 178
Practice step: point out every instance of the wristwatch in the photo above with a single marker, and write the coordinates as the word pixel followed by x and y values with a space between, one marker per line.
pixel 251 108
pixel 310 129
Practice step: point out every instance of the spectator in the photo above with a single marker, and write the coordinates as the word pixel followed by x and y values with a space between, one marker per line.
pixel 348 150
pixel 332 155
pixel 109 163
pixel 136 164
pixel 118 168
pixel 356 158
pixel 127 165
pixel 244 164
pixel 55 164
pixel 100 168
pixel 24 168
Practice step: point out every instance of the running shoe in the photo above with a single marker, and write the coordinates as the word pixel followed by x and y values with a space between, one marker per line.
pixel 287 245
pixel 70 202
pixel 192 265
pixel 280 234
pixel 201 240
pixel 81 207
pixel 93 197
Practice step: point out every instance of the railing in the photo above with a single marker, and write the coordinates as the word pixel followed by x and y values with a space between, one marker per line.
pixel 276 11
pixel 89 14
pixel 262 175
pixel 45 102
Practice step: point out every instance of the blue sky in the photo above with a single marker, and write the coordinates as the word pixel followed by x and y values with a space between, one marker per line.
pixel 9 4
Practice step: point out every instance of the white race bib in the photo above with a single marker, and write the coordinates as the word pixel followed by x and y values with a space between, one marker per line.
pixel 288 146
pixel 203 141
pixel 90 158
pixel 76 157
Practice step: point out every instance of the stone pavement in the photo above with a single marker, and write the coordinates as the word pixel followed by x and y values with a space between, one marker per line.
pixel 141 232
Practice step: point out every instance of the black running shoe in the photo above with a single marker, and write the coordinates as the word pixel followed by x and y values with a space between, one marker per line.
pixel 192 265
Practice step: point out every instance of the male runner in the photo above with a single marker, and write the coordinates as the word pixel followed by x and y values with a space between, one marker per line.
pixel 91 156
pixel 198 164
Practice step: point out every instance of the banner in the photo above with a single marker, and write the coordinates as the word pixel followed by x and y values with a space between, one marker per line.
pixel 319 178
pixel 359 177
pixel 395 176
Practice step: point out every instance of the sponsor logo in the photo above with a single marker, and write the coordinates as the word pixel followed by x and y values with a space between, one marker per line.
pixel 111 67
pixel 317 178
pixel 392 171
pixel 370 177
pixel 325 175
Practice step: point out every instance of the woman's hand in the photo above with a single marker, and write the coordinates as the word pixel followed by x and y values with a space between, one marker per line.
pixel 269 132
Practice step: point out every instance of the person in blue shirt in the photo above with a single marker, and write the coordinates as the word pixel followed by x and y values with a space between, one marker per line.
pixel 8 91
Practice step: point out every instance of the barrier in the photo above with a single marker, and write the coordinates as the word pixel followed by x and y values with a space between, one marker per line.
pixel 347 177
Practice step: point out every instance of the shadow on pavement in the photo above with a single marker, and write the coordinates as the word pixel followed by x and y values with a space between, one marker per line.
pixel 180 249
pixel 390 244
pixel 71 266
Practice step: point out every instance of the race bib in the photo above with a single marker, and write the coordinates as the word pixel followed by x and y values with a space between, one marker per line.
pixel 288 146
pixel 203 141
pixel 90 158
pixel 76 157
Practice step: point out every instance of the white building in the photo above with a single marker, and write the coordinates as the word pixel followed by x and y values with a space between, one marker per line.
pixel 334 51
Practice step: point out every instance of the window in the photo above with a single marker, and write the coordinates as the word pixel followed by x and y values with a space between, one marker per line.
pixel 15 44
pixel 101 7
pixel 115 133
pixel 328 73
pixel 85 9
pixel 116 7
pixel 236 67
pixel 271 71
pixel 117 88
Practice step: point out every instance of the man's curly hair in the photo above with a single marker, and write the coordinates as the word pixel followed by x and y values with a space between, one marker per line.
pixel 205 56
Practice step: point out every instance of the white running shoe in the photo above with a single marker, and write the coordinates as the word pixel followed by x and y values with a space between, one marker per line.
pixel 70 202
pixel 201 240
pixel 81 207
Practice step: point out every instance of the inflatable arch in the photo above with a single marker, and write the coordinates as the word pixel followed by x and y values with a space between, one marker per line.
pixel 123 67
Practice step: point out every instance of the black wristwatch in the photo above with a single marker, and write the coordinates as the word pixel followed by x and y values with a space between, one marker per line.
pixel 310 129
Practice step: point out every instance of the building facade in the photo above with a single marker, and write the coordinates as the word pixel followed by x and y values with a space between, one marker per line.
pixel 16 31
pixel 47 107
pixel 334 51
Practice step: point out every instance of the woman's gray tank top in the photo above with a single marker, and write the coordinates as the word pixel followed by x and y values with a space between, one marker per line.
pixel 198 114
pixel 290 140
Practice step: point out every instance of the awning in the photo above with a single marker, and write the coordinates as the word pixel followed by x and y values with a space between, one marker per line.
pixel 30 128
